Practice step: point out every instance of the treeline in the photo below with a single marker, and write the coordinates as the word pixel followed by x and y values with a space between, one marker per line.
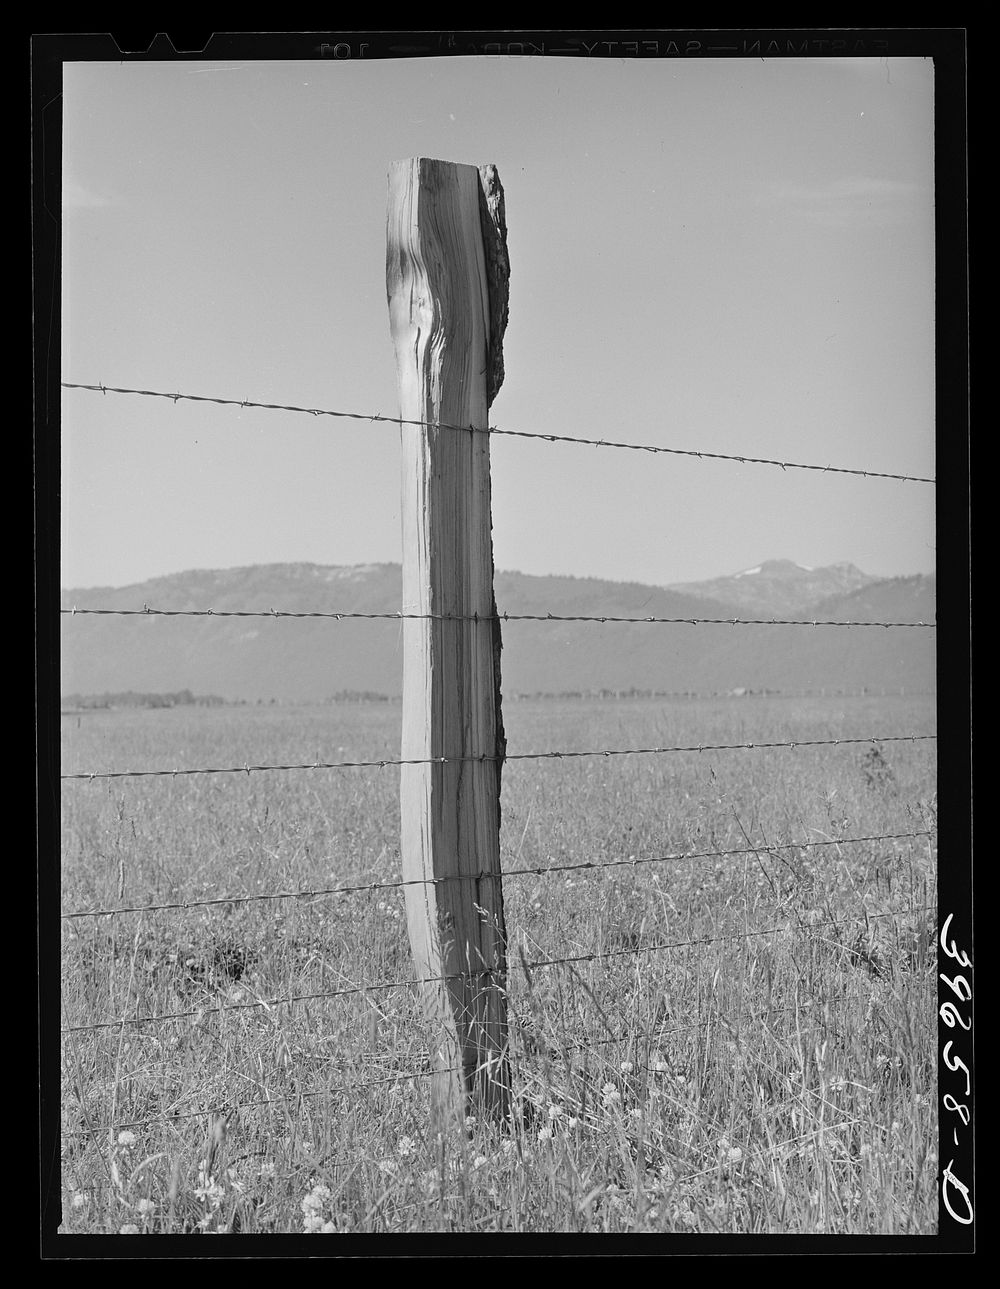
pixel 739 692
pixel 635 692
pixel 359 696
pixel 129 698
pixel 185 698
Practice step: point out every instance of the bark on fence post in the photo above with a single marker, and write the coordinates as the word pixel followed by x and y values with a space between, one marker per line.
pixel 446 279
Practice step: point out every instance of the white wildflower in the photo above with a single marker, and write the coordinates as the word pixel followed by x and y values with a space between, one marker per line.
pixel 208 1189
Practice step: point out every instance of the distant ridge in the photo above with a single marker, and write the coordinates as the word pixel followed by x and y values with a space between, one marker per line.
pixel 779 586
pixel 309 659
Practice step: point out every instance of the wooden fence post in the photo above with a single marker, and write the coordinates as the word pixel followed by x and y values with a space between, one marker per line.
pixel 446 280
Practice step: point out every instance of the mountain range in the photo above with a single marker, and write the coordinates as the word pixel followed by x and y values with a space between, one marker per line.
pixel 779 586
pixel 303 659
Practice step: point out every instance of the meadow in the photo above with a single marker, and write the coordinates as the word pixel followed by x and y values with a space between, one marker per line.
pixel 744 1042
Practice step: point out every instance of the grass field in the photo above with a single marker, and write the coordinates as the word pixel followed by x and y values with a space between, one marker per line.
pixel 755 1053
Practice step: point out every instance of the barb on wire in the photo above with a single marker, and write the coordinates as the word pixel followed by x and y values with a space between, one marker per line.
pixel 507 757
pixel 146 612
pixel 378 987
pixel 586 866
pixel 493 430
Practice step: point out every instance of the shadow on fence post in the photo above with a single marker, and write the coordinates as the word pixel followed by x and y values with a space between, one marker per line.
pixel 446 280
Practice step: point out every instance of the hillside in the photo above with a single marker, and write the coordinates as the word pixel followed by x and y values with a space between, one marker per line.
pixel 779 587
pixel 294 659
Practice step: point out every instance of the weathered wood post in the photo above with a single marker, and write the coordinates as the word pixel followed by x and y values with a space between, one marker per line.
pixel 446 279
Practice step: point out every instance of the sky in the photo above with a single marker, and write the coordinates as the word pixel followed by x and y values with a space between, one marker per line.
pixel 732 256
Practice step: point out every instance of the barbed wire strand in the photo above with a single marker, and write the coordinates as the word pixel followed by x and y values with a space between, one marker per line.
pixel 483 874
pixel 486 757
pixel 494 430
pixel 517 1046
pixel 400 616
pixel 634 950
pixel 736 935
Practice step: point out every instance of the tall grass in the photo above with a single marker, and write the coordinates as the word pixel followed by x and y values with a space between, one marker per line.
pixel 752 1052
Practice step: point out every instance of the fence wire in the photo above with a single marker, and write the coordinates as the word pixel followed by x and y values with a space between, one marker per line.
pixel 486 757
pixel 400 616
pixel 381 986
pixel 494 430
pixel 588 866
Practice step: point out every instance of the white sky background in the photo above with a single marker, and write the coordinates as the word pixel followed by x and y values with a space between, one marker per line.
pixel 733 256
